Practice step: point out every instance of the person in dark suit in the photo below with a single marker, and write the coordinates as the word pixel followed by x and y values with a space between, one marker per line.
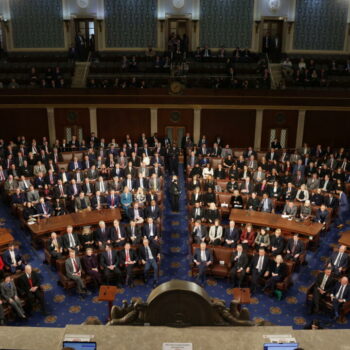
pixel 13 259
pixel 149 255
pixel 294 248
pixel 266 205
pixel 70 240
pixel 113 200
pixel 340 295
pixel 136 213
pixel 128 260
pixel 258 268
pixel 103 234
pixel 339 260
pixel 277 243
pixel 239 261
pixel 44 208
pixel 110 261
pixel 174 194
pixel 150 231
pixel 236 200
pixel 197 212
pixel 90 264
pixel 278 271
pixel 133 233
pixel 323 286
pixel 29 288
pixel 231 235
pixel 55 246
pixel 202 257
pixel 232 185
pixel 153 211
pixel 322 215
pixel 117 234
pixel 253 202
pixel 199 233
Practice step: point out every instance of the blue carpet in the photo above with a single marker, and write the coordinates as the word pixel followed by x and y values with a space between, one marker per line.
pixel 68 309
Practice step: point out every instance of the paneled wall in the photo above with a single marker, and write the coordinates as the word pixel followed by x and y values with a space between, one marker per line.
pixel 71 117
pixel 320 24
pixel 273 119
pixel 116 123
pixel 37 23
pixel 131 23
pixel 226 22
pixel 31 123
pixel 175 117
pixel 235 127
pixel 327 128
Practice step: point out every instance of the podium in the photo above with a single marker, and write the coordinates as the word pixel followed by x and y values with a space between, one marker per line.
pixel 108 293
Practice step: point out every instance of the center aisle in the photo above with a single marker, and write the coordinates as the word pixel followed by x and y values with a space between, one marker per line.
pixel 175 249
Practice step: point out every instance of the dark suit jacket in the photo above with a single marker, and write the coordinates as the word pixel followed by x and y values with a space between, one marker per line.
pixel 241 262
pixel 265 265
pixel 343 261
pixel 23 283
pixel 197 255
pixel 132 253
pixel 154 249
pixel 232 236
pixel 99 237
pixel 104 259
pixel 199 216
pixel 113 232
pixel 346 293
pixel 129 233
pixel 131 213
pixel 277 242
pixel 152 214
pixel 7 257
pixel 65 240
pixel 329 284
pixel 146 230
pixel 299 249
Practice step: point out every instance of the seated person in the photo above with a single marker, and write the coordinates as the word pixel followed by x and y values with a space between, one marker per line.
pixel 266 205
pixel 150 230
pixel 128 259
pixel 117 233
pixel 70 240
pixel 294 248
pixel 149 255
pixel 13 259
pixel 74 271
pixel 324 286
pixel 253 202
pixel 30 289
pixel 209 197
pixel 55 247
pixel 290 209
pixel 247 237
pixel 133 233
pixel 136 214
pixel 322 215
pixel 43 208
pixel 305 211
pixel 302 194
pixel 82 203
pixel 340 295
pixel 317 198
pixel 239 261
pixel 103 234
pixel 109 261
pixel 98 202
pixel 153 211
pixel 202 258
pixel 215 233
pixel 9 293
pixel 231 235
pixel 212 213
pixel 236 200
pixel 262 240
pixel 278 271
pixel 277 243
pixel 199 233
pixel 259 267
pixel 339 260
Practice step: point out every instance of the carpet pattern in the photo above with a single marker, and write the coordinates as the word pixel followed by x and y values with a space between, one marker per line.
pixel 175 264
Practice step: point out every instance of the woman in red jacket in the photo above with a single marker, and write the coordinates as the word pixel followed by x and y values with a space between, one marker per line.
pixel 247 237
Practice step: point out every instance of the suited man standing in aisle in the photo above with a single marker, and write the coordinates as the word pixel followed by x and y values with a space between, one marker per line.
pixel 174 194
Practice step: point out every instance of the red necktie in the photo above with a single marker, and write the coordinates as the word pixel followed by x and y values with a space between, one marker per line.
pixel 30 281
pixel 75 265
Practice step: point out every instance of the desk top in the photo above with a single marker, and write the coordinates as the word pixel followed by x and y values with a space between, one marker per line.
pixel 59 223
pixel 5 238
pixel 242 294
pixel 345 238
pixel 275 221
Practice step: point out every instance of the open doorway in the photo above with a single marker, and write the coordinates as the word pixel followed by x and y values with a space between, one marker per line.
pixel 84 37
pixel 273 36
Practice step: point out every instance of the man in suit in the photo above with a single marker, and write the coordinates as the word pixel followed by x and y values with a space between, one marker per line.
pixel 289 192
pixel 44 208
pixel 259 268
pixel 323 286
pixel 340 295
pixel 326 185
pixel 18 198
pixel 101 185
pixel 30 289
pixel 149 255
pixel 202 258
pixel 24 184
pixel 272 155
pixel 277 243
pixel 313 182
pixel 266 205
pixel 117 234
pixel 199 233
pixel 197 212
pixel 74 271
pixel 136 213
pixel 239 261
pixel 294 248
pixel 9 293
pixel 70 240
pixel 128 260
pixel 98 202
pixel 60 190
pixel 231 236
pixel 153 211
pixel 299 167
pixel 290 209
pixel 174 194
pixel 247 187
pixel 133 233
pixel 109 261
pixel 322 215
pixel 150 230
pixel 54 246
pixel 339 260
pixel 13 259
pixel 253 202
pixel 102 234
pixel 343 209
pixel 33 195
pixel 82 203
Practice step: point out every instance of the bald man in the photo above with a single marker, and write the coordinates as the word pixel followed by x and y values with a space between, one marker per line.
pixel 340 295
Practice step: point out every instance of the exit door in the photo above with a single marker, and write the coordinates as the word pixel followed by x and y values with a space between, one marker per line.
pixel 273 34
pixel 175 134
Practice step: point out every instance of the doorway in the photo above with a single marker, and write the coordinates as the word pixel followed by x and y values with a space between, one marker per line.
pixel 281 134
pixel 85 30
pixel 175 134
pixel 273 36
pixel 178 28
pixel 73 130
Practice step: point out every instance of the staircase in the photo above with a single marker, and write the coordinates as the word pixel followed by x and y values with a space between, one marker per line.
pixel 276 75
pixel 81 72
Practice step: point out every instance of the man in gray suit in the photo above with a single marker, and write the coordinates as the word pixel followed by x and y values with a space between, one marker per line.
pixel 24 184
pixel 82 203
pixel 101 185
pixel 266 205
pixel 9 293
pixel 73 271
pixel 313 182
pixel 33 195
pixel 290 209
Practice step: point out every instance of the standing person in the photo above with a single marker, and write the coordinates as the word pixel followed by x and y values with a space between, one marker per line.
pixel 173 160
pixel 174 194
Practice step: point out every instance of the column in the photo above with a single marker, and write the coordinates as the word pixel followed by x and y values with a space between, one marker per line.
pixel 93 120
pixel 258 128
pixel 196 125
pixel 51 124
pixel 300 129
pixel 154 121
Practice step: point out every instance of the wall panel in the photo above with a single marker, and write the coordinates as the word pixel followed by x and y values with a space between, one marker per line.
pixel 327 128
pixel 279 119
pixel 31 123
pixel 116 123
pixel 70 117
pixel 175 117
pixel 236 127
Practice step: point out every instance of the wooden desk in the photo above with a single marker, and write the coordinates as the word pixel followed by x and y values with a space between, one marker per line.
pixel 108 293
pixel 310 230
pixel 59 223
pixel 345 239
pixel 242 295
pixel 5 239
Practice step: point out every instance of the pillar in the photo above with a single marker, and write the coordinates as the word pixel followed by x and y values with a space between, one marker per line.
pixel 258 128
pixel 51 124
pixel 154 121
pixel 300 129
pixel 93 120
